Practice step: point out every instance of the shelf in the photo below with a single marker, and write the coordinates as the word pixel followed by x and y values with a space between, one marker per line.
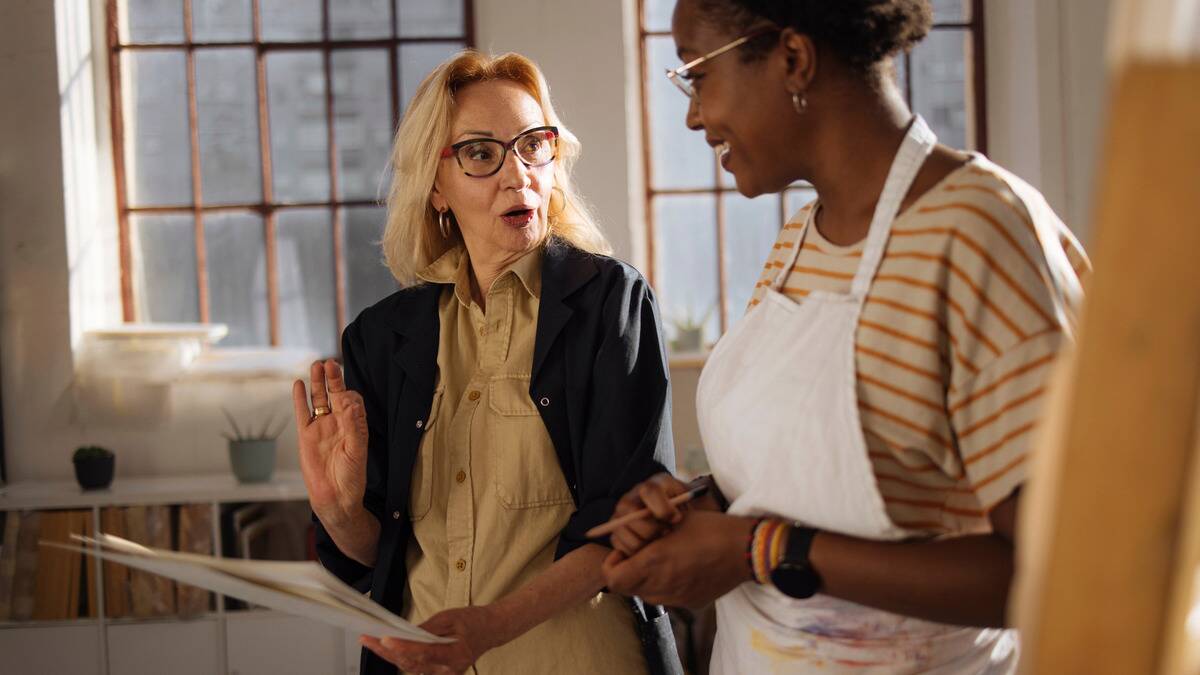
pixel 220 488
pixel 59 623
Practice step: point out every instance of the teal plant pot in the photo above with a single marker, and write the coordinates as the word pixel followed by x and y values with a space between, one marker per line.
pixel 252 461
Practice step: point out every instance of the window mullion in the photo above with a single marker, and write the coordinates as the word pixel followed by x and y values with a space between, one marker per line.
pixel 339 267
pixel 268 192
pixel 197 187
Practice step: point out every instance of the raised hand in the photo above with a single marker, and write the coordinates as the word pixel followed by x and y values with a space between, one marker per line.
pixel 333 444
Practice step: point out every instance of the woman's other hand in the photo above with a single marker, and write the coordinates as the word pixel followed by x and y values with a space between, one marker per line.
pixel 655 494
pixel 696 562
pixel 474 630
pixel 333 447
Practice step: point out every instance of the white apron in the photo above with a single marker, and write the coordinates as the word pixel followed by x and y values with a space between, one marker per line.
pixel 778 411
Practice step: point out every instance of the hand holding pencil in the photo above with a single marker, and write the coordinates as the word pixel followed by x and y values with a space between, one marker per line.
pixel 651 508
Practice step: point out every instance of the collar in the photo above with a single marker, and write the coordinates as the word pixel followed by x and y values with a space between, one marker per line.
pixel 454 267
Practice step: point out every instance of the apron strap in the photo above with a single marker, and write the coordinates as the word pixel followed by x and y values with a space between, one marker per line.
pixel 917 144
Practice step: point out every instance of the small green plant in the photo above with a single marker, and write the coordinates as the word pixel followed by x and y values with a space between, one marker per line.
pixel 268 431
pixel 87 452
pixel 689 330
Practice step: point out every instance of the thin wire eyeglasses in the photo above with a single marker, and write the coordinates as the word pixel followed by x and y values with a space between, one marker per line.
pixel 483 157
pixel 679 76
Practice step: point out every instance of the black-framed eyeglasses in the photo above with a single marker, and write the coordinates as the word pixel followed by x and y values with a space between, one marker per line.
pixel 483 157
pixel 681 76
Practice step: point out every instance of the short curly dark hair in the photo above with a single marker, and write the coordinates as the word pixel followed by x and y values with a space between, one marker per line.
pixel 860 32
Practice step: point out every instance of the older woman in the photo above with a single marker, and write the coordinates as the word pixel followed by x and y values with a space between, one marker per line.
pixel 494 409
pixel 869 419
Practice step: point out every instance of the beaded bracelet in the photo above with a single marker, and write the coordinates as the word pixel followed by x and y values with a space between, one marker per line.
pixel 765 548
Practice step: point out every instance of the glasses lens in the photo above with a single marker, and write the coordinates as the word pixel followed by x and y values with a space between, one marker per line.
pixel 536 148
pixel 481 157
pixel 678 80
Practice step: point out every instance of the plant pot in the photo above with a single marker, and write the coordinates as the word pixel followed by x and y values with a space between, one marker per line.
pixel 252 461
pixel 688 340
pixel 95 473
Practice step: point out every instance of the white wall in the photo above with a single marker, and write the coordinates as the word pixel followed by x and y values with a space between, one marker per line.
pixel 1047 95
pixel 579 46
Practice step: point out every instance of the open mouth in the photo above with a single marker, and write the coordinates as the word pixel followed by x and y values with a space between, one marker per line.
pixel 722 152
pixel 518 217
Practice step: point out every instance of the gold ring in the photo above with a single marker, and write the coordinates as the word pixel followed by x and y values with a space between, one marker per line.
pixel 321 410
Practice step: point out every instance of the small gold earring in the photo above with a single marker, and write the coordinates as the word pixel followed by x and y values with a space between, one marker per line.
pixel 442 225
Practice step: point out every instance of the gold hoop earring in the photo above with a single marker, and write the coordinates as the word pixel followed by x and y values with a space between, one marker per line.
pixel 442 225
pixel 799 103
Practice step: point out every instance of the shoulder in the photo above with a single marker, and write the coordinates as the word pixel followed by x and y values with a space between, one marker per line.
pixel 595 273
pixel 401 306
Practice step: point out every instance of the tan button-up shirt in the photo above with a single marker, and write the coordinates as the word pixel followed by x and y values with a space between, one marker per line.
pixel 488 496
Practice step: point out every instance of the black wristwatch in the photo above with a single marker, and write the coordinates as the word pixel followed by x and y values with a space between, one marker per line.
pixel 795 576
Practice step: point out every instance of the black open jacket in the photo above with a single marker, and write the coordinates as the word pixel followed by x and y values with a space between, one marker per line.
pixel 599 381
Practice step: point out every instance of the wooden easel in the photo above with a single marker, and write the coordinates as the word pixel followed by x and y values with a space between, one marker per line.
pixel 1110 528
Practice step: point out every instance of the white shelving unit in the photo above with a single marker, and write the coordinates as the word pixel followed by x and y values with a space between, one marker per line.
pixel 243 642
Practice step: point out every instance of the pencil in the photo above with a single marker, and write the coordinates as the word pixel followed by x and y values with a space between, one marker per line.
pixel 605 529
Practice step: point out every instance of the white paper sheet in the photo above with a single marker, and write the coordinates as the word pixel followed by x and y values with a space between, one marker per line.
pixel 300 588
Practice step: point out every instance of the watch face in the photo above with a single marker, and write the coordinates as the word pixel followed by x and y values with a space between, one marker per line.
pixel 796 581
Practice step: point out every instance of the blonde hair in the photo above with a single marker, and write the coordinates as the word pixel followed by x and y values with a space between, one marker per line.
pixel 412 240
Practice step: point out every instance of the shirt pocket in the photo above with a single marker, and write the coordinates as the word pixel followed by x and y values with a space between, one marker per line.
pixel 524 464
pixel 420 491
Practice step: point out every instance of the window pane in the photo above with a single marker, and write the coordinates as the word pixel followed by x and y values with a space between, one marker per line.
pixel 422 18
pixel 228 124
pixel 901 63
pixel 164 267
pixel 367 278
pixel 751 228
pixel 951 11
pixel 417 61
pixel 679 156
pixel 658 14
pixel 307 314
pixel 291 20
pixel 363 121
pixel 686 255
pixel 939 84
pixel 151 21
pixel 237 277
pixel 360 19
pixel 158 152
pixel 299 136
pixel 221 21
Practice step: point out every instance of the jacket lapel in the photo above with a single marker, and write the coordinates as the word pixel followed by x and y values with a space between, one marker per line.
pixel 565 270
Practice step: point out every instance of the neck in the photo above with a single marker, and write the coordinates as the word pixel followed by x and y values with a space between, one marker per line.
pixel 853 155
pixel 486 266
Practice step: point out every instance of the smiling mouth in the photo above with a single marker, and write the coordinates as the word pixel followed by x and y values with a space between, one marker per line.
pixel 518 217
pixel 722 152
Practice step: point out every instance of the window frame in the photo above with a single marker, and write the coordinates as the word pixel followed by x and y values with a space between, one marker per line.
pixel 267 207
pixel 976 83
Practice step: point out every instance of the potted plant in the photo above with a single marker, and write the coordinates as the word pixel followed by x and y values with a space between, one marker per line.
pixel 689 332
pixel 94 467
pixel 252 453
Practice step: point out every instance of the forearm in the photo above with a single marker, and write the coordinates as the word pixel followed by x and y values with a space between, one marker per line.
pixel 569 581
pixel 962 580
pixel 356 535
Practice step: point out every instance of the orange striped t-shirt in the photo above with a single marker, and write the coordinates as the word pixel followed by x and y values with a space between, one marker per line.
pixel 954 345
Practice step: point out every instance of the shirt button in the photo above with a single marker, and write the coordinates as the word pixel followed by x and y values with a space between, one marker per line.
pixel 545 401
pixel 462 475
pixel 420 424
pixel 395 515
pixel 482 331
pixel 460 565
pixel 474 395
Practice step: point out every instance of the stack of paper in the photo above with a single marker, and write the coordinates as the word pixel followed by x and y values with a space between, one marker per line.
pixel 301 588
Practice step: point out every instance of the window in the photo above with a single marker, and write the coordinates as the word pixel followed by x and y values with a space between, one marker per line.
pixel 703 268
pixel 251 141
